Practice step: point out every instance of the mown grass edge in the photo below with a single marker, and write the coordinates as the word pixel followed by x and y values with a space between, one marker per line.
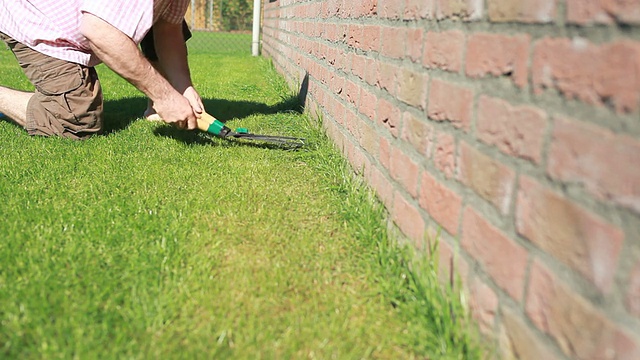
pixel 437 313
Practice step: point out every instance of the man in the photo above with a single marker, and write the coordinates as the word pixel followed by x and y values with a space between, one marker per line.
pixel 58 42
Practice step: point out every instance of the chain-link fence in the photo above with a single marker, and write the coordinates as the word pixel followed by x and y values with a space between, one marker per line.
pixel 220 26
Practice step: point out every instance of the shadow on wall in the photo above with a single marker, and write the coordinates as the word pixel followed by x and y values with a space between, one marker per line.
pixel 303 91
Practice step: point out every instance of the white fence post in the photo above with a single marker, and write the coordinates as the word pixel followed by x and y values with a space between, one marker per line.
pixel 255 45
pixel 193 14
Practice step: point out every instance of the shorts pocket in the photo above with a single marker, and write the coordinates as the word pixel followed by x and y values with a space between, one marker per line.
pixel 57 80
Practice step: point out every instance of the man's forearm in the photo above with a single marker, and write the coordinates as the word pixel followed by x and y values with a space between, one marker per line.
pixel 121 54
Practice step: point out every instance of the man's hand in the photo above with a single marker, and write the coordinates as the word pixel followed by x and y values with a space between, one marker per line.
pixel 177 111
pixel 194 99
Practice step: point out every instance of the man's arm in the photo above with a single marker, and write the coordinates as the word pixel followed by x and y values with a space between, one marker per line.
pixel 172 57
pixel 121 54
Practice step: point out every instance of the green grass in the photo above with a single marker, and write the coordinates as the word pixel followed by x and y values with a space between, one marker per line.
pixel 228 43
pixel 151 242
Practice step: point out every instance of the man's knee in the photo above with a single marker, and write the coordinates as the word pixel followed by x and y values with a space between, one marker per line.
pixel 68 103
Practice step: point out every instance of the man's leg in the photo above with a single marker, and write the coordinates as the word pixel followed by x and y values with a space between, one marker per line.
pixel 13 104
pixel 150 113
pixel 149 50
pixel 67 101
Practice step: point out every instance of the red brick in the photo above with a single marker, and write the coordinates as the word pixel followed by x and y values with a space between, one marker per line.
pixel 355 156
pixel 332 8
pixel 355 34
pixel 417 132
pixel 322 52
pixel 313 10
pixel 391 9
pixel 442 204
pixel 358 65
pixel 581 330
pixel 387 77
pixel 349 9
pixel 309 28
pixel 337 83
pixel 489 178
pixel 418 9
pixel 529 11
pixel 366 8
pixel 521 340
pixel 404 170
pixel 498 55
pixel 408 218
pixel 368 104
pixel 483 303
pixel 315 49
pixel 372 71
pixel 343 32
pixel 382 187
pixel 340 60
pixel 352 123
pixel 516 130
pixel 595 74
pixel 318 93
pixel 362 8
pixel 346 10
pixel 412 88
pixel 334 133
pixel 357 159
pixel 586 12
pixel 332 32
pixel 571 234
pixel 415 39
pixel 589 155
pixel 337 110
pixel 321 75
pixel 444 50
pixel 633 292
pixel 459 9
pixel 370 38
pixel 444 155
pixel 393 40
pixel 304 45
pixel 389 115
pixel 504 260
pixel 449 102
pixel 385 152
pixel 351 92
pixel 368 137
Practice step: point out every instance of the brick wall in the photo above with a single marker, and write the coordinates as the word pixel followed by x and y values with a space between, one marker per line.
pixel 511 125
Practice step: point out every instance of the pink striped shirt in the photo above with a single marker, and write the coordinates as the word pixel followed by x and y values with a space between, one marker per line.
pixel 52 27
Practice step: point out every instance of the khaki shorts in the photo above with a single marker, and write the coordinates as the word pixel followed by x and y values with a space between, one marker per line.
pixel 68 97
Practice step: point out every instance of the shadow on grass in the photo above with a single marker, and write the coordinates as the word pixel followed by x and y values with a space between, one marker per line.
pixel 199 138
pixel 225 110
pixel 119 114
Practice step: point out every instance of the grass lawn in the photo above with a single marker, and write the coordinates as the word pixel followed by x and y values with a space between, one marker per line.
pixel 228 43
pixel 152 242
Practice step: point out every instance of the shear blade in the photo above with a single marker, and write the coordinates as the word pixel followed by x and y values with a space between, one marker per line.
pixel 280 140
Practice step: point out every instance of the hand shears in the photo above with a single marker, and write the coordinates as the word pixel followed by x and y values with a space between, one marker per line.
pixel 208 123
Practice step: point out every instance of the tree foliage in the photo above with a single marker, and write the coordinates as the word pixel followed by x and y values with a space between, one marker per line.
pixel 220 15
pixel 236 14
